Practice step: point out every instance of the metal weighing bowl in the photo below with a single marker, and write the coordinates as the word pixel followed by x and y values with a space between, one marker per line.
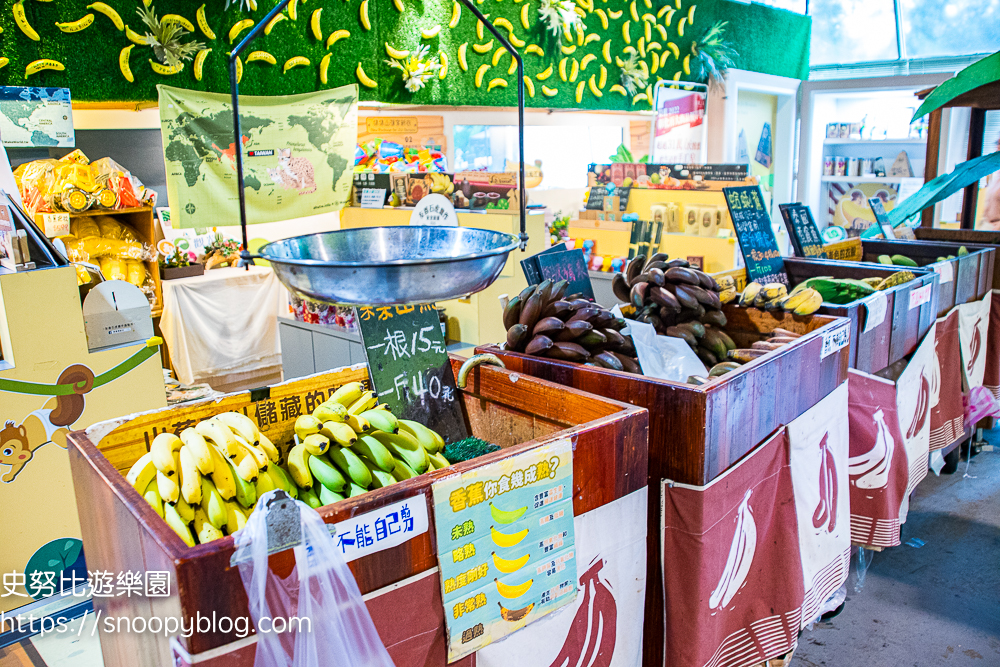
pixel 390 265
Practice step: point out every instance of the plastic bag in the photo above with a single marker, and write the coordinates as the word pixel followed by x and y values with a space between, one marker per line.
pixel 664 357
pixel 979 404
pixel 320 588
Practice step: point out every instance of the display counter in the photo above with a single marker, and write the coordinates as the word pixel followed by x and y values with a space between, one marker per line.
pixel 401 584
pixel 476 318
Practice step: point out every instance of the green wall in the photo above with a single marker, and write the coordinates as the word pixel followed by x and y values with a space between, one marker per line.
pixel 768 40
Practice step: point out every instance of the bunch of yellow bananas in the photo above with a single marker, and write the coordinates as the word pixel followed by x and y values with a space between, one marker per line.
pixel 803 300
pixel 441 183
pixel 205 482
pixel 350 444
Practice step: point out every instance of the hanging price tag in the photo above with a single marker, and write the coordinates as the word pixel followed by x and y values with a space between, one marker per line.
pixel 920 296
pixel 945 271
pixel 835 339
pixel 875 307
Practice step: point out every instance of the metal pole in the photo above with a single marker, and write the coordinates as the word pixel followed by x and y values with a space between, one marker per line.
pixel 522 196
pixel 234 91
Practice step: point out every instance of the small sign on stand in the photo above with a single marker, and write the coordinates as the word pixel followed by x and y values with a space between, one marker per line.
pixel 409 366
pixel 802 230
pixel 753 229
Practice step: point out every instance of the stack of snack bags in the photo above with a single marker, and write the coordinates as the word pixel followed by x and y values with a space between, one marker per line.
pixel 115 247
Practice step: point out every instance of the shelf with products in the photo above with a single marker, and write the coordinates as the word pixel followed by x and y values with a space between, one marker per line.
pixel 872 142
pixel 862 179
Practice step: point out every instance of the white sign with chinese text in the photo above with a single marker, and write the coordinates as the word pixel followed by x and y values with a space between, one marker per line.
pixel 875 306
pixel 434 210
pixel 945 271
pixel 921 295
pixel 836 339
pixel 382 529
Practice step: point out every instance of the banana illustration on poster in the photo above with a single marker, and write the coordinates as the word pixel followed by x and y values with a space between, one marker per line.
pixel 506 545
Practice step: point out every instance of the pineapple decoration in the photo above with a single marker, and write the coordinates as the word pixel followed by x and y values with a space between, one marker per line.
pixel 165 38
pixel 560 16
pixel 711 56
pixel 635 76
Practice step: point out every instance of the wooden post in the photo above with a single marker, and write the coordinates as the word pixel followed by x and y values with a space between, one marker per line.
pixel 931 162
pixel 977 127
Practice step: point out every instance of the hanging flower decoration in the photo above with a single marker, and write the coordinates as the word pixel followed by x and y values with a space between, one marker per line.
pixel 165 38
pixel 560 16
pixel 634 76
pixel 711 55
pixel 417 68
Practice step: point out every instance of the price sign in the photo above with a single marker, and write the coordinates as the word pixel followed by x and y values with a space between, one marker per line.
pixel 56 224
pixel 506 545
pixel 595 200
pixel 835 339
pixel 409 366
pixel 570 266
pixel 802 230
pixel 753 229
pixel 372 198
pixel 623 195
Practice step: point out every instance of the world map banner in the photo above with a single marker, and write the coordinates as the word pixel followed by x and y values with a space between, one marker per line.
pixel 297 149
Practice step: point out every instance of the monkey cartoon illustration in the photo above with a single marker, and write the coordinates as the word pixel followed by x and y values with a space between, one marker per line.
pixel 51 423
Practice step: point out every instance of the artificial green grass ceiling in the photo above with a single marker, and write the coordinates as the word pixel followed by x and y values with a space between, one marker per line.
pixel 768 40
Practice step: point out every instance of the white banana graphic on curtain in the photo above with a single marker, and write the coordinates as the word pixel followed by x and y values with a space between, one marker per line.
pixel 872 467
pixel 740 557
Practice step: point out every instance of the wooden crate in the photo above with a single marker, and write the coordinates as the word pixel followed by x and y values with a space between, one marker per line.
pixel 891 340
pixel 972 274
pixel 966 237
pixel 121 532
pixel 697 432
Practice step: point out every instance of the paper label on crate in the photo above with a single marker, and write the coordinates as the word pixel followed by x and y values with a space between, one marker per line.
pixel 56 224
pixel 506 545
pixel 875 307
pixel 945 271
pixel 382 529
pixel 372 197
pixel 920 296
pixel 835 339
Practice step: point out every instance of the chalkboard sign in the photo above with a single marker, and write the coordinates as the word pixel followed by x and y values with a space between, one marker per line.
pixel 623 194
pixel 802 230
pixel 753 229
pixel 409 366
pixel 595 200
pixel 568 265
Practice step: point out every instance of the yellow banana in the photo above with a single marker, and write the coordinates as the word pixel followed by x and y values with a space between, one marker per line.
pixel 403 446
pixel 365 22
pixel 134 37
pixel 198 449
pixel 202 21
pixel 524 17
pixel 307 425
pixel 167 487
pixel 162 450
pixel 546 73
pixel 430 33
pixel 549 92
pixel 367 401
pixel 239 27
pixel 177 18
pixel 190 477
pixel 462 61
pixel 579 91
pixel 110 12
pixel 340 433
pixel 45 63
pixel 265 482
pixel 272 452
pixel 534 48
pixel 222 474
pixel 177 524
pixel 421 434
pixel 298 466
pixel 324 68
pixel 142 473
pixel 336 36
pixel 259 457
pixel 246 467
pixel 443 72
pixel 238 422
pixel 235 519
pixel 77 25
pixel 606 51
pixel 509 566
pixel 395 53
pixel 165 70
pixel 359 424
pixel 456 14
pixel 152 496
pixel 262 56
pixel 316 444
pixel 314 25
pixel 204 529
pixel 293 10
pixel 22 22
pixel 483 48
pixel 185 511
pixel 505 540
pixel 273 22
pixel 365 80
pixel 123 64
pixel 617 88
pixel 347 394
pixel 212 503
pixel 220 434
pixel 513 592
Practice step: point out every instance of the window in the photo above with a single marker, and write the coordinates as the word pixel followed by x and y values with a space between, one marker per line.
pixel 952 27
pixel 565 151
pixel 852 31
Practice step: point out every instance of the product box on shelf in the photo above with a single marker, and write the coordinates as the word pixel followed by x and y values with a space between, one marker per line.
pixel 122 532
pixel 666 176
pixel 474 190
pixel 697 432
pixel 906 311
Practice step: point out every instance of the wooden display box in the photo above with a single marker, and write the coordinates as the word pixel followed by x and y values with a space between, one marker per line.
pixel 901 331
pixel 971 275
pixel 174 272
pixel 965 237
pixel 697 432
pixel 121 532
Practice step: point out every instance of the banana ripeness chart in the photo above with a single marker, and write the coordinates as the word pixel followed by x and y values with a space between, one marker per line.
pixel 506 545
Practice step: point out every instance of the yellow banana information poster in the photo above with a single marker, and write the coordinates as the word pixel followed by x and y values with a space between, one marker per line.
pixel 297 154
pixel 506 545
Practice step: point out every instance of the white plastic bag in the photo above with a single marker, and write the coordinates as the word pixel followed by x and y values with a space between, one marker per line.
pixel 339 630
pixel 664 357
